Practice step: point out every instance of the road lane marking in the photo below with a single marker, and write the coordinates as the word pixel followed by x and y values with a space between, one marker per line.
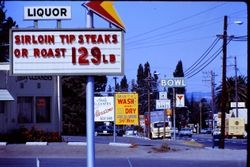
pixel 129 162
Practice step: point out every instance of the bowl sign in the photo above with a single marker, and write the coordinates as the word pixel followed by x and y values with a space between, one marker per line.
pixel 173 82
pixel 66 52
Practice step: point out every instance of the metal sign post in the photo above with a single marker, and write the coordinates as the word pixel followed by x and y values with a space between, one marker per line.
pixel 90 108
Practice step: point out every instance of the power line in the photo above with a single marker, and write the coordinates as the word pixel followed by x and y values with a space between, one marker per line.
pixel 160 37
pixel 205 65
pixel 198 61
pixel 175 22
pixel 167 43
pixel 174 32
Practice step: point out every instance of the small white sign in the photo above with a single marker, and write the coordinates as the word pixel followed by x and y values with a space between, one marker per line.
pixel 104 109
pixel 163 95
pixel 180 101
pixel 47 12
pixel 240 104
pixel 163 104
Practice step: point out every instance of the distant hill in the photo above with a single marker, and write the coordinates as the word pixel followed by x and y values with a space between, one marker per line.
pixel 198 95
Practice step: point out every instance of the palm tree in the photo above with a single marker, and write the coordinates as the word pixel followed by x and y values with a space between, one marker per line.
pixel 230 87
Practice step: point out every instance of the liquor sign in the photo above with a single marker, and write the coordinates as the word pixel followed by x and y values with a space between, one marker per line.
pixel 126 109
pixel 47 12
pixel 66 52
pixel 104 109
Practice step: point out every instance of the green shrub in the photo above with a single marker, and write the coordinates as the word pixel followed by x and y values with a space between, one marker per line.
pixel 23 135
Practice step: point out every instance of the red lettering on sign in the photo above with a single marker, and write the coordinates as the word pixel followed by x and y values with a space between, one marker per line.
pixel 21 53
pixel 125 101
pixel 49 53
pixel 34 39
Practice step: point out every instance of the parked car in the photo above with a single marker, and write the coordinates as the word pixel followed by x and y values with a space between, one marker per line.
pixel 104 130
pixel 206 131
pixel 172 130
pixel 216 131
pixel 203 131
pixel 185 132
pixel 119 131
pixel 130 131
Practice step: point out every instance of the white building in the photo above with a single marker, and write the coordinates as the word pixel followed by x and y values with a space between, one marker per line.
pixel 27 101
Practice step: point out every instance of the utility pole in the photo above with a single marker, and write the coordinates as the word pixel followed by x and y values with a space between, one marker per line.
pixel 236 87
pixel 115 78
pixel 212 82
pixel 212 74
pixel 224 93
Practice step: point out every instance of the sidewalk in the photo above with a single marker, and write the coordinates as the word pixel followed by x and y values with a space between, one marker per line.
pixel 64 150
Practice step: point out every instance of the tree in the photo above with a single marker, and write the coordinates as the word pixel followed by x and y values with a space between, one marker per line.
pixel 5 25
pixel 181 113
pixel 124 84
pixel 145 82
pixel 205 111
pixel 74 102
pixel 140 78
pixel 230 87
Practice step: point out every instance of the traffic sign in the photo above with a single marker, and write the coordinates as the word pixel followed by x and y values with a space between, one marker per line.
pixel 105 10
pixel 163 104
pixel 180 101
pixel 163 95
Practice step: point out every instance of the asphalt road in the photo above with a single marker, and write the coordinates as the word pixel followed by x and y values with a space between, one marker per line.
pixel 62 155
pixel 115 162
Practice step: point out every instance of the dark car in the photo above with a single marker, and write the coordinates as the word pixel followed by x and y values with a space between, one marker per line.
pixel 104 130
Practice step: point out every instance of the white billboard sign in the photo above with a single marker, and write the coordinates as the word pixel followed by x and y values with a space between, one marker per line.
pixel 66 52
pixel 173 82
pixel 47 12
pixel 104 109
pixel 163 104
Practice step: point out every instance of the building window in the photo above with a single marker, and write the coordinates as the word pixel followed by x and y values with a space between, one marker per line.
pixel 2 106
pixel 43 108
pixel 25 109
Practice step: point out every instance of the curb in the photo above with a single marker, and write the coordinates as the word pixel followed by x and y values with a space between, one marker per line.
pixel 36 143
pixel 77 143
pixel 3 143
pixel 120 144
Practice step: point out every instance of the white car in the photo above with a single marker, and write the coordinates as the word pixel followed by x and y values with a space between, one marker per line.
pixel 130 132
pixel 216 131
pixel 172 130
pixel 185 132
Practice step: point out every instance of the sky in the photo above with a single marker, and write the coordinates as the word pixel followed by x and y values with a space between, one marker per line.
pixel 163 33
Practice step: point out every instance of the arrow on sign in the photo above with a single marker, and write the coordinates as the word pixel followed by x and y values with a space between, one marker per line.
pixel 105 10
pixel 180 97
